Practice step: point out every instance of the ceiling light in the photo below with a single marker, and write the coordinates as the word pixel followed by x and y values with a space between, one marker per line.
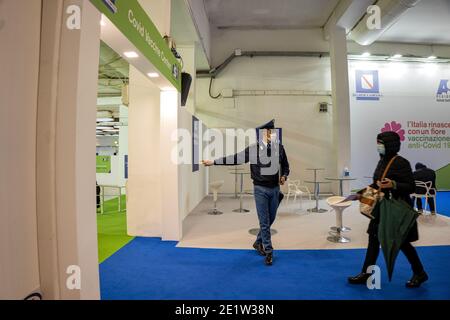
pixel 366 54
pixel 431 57
pixel 131 54
pixel 153 75
pixel 397 56
pixel 105 120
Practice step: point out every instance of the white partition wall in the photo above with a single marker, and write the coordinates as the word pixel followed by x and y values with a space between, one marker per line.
pixel 307 133
pixel 19 35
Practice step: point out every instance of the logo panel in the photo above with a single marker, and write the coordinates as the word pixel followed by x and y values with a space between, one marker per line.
pixel 367 85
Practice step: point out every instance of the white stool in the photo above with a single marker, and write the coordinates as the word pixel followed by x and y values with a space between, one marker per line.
pixel 339 207
pixel 215 187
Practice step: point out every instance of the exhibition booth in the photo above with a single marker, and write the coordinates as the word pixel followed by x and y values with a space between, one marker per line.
pixel 121 107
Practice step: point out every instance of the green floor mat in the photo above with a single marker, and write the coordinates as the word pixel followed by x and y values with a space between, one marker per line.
pixel 112 229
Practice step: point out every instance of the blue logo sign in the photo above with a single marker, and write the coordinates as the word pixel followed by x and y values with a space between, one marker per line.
pixel 111 4
pixel 367 85
pixel 443 93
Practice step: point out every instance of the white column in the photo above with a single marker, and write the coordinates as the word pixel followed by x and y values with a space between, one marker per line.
pixel 341 101
pixel 170 170
pixel 66 143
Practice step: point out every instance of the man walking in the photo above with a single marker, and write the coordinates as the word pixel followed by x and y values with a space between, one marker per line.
pixel 269 169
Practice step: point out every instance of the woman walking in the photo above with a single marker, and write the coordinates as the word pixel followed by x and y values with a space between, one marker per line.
pixel 399 184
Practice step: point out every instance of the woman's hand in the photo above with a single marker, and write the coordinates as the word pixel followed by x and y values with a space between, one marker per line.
pixel 385 184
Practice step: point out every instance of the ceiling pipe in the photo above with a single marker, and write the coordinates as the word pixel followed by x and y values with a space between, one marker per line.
pixel 391 11
pixel 217 70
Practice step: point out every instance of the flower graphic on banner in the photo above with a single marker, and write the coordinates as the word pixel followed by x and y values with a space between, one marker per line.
pixel 395 127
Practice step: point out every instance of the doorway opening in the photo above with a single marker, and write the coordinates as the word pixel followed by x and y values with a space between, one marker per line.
pixel 112 152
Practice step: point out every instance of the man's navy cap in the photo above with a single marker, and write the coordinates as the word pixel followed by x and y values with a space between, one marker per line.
pixel 268 125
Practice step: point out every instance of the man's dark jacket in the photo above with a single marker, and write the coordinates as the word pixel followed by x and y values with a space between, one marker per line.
pixel 424 174
pixel 259 157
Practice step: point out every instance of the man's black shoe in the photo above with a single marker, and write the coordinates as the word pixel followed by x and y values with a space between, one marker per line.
pixel 417 280
pixel 269 259
pixel 259 247
pixel 359 279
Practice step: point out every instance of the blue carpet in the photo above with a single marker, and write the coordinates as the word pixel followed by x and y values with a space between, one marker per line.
pixel 148 268
pixel 443 203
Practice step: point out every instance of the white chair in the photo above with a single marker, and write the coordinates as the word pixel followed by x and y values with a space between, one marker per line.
pixel 295 189
pixel 429 193
pixel 215 187
pixel 338 207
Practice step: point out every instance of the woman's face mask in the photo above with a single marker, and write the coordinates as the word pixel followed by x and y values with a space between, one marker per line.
pixel 381 149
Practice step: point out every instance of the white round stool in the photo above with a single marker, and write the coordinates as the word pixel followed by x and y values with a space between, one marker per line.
pixel 338 207
pixel 215 187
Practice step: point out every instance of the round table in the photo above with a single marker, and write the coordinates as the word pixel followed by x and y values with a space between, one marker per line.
pixel 341 180
pixel 316 195
pixel 241 209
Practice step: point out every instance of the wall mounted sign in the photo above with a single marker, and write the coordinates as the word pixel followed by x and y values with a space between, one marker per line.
pixel 413 105
pixel 195 144
pixel 103 164
pixel 126 166
pixel 131 19
pixel 367 85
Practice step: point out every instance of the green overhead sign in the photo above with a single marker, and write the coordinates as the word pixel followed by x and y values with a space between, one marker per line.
pixel 131 19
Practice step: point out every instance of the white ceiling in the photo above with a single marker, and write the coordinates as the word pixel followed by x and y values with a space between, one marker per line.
pixel 185 33
pixel 269 14
pixel 426 23
pixel 113 72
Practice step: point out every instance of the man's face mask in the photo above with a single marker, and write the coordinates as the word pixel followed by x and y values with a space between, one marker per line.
pixel 381 149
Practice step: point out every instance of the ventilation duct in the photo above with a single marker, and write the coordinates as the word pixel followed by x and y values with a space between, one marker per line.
pixel 391 10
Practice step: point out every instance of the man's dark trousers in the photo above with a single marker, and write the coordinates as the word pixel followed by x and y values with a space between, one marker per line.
pixel 267 201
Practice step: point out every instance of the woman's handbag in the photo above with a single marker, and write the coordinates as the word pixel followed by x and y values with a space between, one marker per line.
pixel 371 196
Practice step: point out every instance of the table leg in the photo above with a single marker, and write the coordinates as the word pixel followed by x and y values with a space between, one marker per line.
pixel 103 200
pixel 120 200
pixel 241 209
pixel 235 184
pixel 316 194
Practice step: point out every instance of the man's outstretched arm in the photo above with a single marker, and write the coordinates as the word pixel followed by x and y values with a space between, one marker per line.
pixel 239 158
